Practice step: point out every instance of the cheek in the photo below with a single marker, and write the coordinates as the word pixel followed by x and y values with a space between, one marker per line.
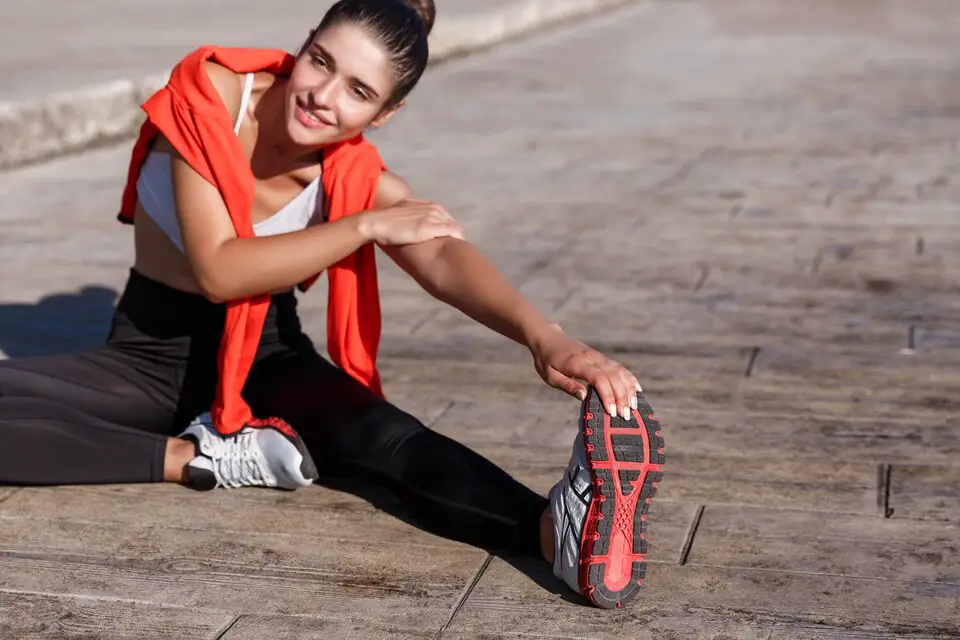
pixel 303 76
pixel 356 115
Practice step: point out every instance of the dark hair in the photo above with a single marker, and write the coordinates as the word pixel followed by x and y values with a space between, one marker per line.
pixel 427 10
pixel 400 26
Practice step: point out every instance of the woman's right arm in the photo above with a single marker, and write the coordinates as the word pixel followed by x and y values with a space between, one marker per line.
pixel 226 267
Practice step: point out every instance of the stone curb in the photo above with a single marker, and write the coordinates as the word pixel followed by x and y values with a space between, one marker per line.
pixel 69 122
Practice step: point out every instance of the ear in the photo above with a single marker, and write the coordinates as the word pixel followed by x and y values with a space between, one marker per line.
pixel 384 116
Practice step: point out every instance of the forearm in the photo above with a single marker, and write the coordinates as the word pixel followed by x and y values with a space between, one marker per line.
pixel 462 277
pixel 242 267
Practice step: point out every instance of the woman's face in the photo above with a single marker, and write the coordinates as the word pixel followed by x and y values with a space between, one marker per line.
pixel 339 86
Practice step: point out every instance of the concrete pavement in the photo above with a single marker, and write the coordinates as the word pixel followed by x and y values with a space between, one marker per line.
pixel 752 203
pixel 74 77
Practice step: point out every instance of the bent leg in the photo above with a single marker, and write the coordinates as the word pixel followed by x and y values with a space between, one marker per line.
pixel 80 419
pixel 44 442
pixel 451 490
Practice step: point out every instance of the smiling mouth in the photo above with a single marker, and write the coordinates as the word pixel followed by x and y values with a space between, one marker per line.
pixel 312 117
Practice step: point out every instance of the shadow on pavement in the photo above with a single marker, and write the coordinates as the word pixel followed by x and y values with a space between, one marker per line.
pixel 381 498
pixel 58 323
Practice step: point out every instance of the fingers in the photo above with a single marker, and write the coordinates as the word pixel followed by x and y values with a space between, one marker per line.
pixel 567 385
pixel 426 220
pixel 624 389
pixel 432 230
pixel 445 224
pixel 616 386
pixel 452 231
pixel 604 384
pixel 619 390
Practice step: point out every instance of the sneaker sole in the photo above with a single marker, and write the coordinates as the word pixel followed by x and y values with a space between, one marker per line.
pixel 625 458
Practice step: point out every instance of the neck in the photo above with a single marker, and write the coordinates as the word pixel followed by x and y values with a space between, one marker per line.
pixel 274 148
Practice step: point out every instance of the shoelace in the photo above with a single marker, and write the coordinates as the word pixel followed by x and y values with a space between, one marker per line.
pixel 239 462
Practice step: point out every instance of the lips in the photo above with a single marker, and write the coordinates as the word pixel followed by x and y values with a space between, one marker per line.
pixel 311 119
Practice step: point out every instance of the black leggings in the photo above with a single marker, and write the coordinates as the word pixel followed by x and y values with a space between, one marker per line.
pixel 104 416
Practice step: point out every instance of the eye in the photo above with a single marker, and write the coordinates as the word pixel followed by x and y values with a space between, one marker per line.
pixel 320 62
pixel 360 94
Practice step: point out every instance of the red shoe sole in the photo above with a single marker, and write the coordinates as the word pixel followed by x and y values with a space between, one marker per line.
pixel 625 458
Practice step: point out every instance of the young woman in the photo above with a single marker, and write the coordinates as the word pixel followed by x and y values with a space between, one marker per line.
pixel 250 177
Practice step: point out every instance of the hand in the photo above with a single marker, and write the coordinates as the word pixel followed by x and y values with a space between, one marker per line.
pixel 409 221
pixel 562 362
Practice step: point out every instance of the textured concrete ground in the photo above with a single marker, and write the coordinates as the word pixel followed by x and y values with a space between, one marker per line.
pixel 74 78
pixel 98 41
pixel 751 202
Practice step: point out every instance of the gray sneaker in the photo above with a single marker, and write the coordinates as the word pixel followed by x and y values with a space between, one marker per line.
pixel 253 457
pixel 600 505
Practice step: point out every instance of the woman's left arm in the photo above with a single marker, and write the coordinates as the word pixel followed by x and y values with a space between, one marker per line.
pixel 455 272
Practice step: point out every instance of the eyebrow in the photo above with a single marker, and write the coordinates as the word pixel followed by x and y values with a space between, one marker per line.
pixel 333 63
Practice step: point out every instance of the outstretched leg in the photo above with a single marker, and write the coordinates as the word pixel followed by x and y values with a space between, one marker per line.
pixel 450 490
pixel 592 529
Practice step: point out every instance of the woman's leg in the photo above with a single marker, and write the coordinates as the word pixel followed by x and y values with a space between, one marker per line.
pixel 80 419
pixel 451 490
pixel 106 415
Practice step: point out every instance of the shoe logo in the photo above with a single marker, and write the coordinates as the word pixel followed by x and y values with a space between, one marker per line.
pixel 573 530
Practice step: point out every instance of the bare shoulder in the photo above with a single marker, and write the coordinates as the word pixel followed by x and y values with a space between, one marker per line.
pixel 228 85
pixel 390 190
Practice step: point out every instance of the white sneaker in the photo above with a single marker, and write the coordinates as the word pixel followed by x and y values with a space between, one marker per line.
pixel 252 457
pixel 600 506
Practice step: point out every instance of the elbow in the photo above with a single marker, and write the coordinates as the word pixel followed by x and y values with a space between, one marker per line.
pixel 215 288
pixel 214 278
pixel 216 298
pixel 216 295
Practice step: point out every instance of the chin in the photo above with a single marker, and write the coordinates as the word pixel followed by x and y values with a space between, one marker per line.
pixel 305 138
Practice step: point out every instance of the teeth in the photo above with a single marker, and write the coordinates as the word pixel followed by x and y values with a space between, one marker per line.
pixel 311 116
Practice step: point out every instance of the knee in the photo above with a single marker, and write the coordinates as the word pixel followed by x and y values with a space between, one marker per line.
pixel 402 442
pixel 391 426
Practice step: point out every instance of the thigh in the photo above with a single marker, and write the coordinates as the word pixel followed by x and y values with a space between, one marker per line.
pixel 340 420
pixel 103 383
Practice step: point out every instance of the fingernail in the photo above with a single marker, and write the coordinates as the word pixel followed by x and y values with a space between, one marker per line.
pixel 582 394
pixel 612 409
pixel 633 403
pixel 626 413
pixel 639 390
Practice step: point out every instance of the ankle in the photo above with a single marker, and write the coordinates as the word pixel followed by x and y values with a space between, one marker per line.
pixel 179 453
pixel 546 536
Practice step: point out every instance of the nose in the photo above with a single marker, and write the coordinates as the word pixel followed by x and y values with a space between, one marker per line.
pixel 324 93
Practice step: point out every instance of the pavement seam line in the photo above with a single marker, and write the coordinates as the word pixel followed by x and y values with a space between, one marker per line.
pixel 230 626
pixel 467 591
pixel 691 534
pixel 884 477
pixel 752 362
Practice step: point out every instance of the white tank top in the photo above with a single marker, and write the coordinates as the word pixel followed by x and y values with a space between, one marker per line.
pixel 155 191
